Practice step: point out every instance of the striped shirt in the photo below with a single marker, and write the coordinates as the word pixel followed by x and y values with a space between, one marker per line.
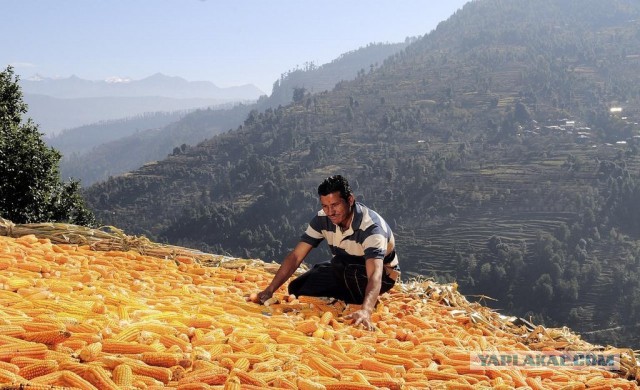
pixel 368 237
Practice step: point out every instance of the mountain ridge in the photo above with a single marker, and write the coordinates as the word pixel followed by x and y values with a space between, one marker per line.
pixel 66 103
pixel 91 166
pixel 157 84
pixel 57 114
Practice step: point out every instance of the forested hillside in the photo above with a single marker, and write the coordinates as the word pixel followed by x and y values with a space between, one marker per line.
pixel 93 153
pixel 139 141
pixel 80 140
pixel 502 148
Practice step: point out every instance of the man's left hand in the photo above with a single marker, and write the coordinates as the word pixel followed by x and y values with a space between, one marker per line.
pixel 363 317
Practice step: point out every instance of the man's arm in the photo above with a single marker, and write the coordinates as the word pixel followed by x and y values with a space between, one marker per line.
pixel 372 291
pixel 289 265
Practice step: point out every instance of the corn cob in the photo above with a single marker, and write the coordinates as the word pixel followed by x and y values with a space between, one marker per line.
pixel 75 367
pixel 161 374
pixel 177 373
pixel 319 333
pixel 307 327
pixel 128 334
pixel 268 366
pixel 27 240
pixel 535 383
pixel 161 359
pixel 15 283
pixel 63 287
pixel 146 382
pixel 123 375
pixel 70 378
pixel 82 328
pixel 198 322
pixel 248 379
pixel 88 338
pixel 326 318
pixel 308 384
pixel 374 365
pixel 12 367
pixel 268 377
pixel 323 368
pixel 125 347
pixel 194 386
pixel 237 345
pixel 23 349
pixel 387 382
pixel 59 354
pixel 208 366
pixel 204 376
pixel 460 386
pixel 334 350
pixel 47 336
pixel 62 348
pixel 90 352
pixel 71 344
pixel 361 349
pixel 342 365
pixel 168 340
pixel 359 376
pixel 396 360
pixel 441 375
pixel 123 312
pixel 425 384
pixel 407 353
pixel 232 383
pixel 285 383
pixel 12 330
pixel 40 368
pixel 100 378
pixel 292 339
pixel 7 376
pixel 6 263
pixel 252 358
pixel 349 386
pixel 242 364
pixel 259 347
pixel 30 267
pixel 50 378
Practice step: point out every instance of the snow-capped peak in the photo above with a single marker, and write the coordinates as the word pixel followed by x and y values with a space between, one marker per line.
pixel 117 80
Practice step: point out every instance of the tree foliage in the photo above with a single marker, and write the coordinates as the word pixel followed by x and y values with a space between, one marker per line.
pixel 30 185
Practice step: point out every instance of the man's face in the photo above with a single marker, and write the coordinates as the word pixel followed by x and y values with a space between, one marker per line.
pixel 337 209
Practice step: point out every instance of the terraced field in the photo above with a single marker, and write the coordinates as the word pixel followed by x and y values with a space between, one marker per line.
pixel 470 234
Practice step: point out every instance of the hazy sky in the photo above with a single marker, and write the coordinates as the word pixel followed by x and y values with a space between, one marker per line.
pixel 227 42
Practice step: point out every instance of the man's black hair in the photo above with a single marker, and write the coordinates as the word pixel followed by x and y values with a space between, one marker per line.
pixel 333 184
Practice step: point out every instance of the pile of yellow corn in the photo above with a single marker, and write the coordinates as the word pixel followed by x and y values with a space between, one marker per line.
pixel 73 317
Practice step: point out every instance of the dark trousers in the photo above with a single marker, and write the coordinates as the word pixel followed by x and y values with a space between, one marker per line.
pixel 336 279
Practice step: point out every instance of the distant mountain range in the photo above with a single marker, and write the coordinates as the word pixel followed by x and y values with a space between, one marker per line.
pixel 158 85
pixel 99 150
pixel 58 104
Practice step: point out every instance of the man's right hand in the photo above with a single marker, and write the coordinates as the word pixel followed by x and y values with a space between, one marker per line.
pixel 263 296
pixel 289 265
